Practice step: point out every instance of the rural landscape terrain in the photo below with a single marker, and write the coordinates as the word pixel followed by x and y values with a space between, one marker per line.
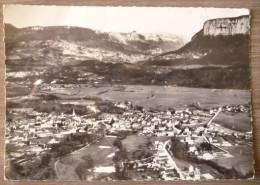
pixel 84 104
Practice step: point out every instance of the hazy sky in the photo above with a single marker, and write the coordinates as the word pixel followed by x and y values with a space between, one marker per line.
pixel 181 21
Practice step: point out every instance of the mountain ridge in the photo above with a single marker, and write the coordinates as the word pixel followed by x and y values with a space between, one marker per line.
pixel 84 43
pixel 209 49
pixel 207 61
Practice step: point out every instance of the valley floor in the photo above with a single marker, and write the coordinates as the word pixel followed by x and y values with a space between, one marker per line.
pixel 152 96
pixel 149 116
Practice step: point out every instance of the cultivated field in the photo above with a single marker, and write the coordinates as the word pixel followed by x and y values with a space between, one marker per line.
pixel 239 122
pixel 136 142
pixel 164 96
pixel 243 160
pixel 99 151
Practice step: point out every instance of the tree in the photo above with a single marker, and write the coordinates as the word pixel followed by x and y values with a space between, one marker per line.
pixel 118 144
pixel 112 121
pixel 84 169
pixel 139 108
pixel 89 163
pixel 86 128
pixel 178 148
pixel 63 150
pixel 206 146
pixel 120 173
pixel 45 159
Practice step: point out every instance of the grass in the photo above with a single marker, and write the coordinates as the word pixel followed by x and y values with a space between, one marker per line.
pixel 236 121
pixel 66 167
pixel 177 97
pixel 136 144
pixel 242 161
pixel 164 97
pixel 18 90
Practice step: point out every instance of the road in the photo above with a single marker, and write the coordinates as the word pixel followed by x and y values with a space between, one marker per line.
pixel 210 121
pixel 171 160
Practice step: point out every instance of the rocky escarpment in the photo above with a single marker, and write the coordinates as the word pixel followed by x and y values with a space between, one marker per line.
pixel 222 41
pixel 218 53
pixel 227 26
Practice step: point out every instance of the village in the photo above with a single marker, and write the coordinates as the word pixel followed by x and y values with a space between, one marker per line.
pixel 27 139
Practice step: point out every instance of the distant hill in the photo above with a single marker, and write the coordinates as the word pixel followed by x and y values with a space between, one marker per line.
pixel 55 43
pixel 10 32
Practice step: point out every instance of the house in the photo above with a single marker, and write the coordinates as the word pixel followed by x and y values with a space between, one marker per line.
pixel 186 131
pixel 207 176
pixel 158 145
pixel 207 156
pixel 226 143
pixel 44 134
pixel 36 149
pixel 191 169
pixel 189 140
pixel 248 136
pixel 192 149
pixel 197 174
pixel 53 141
pixel 162 128
pixel 200 129
pixel 136 126
pixel 170 133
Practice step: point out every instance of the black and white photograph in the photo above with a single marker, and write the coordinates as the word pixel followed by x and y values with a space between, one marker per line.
pixel 102 93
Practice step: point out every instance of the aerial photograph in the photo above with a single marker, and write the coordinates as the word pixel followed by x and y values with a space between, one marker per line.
pixel 127 93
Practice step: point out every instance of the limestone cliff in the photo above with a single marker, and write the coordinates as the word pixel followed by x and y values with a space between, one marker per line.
pixel 227 26
pixel 222 41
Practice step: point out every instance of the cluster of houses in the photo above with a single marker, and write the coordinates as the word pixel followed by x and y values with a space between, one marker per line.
pixel 40 131
pixel 53 86
pixel 158 123
pixel 171 122
pixel 162 163
pixel 67 89
pixel 238 108
pixel 36 135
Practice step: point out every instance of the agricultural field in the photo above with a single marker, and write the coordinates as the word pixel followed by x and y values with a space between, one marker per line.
pixel 138 146
pixel 100 151
pixel 170 96
pixel 242 160
pixel 240 122
pixel 163 96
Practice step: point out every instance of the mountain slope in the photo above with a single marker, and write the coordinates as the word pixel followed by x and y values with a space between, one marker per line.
pixel 212 59
pixel 216 57
pixel 56 44
pixel 211 46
